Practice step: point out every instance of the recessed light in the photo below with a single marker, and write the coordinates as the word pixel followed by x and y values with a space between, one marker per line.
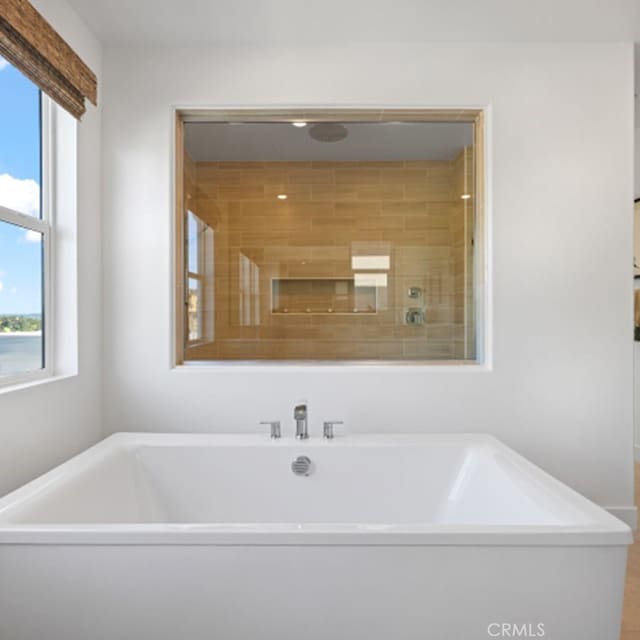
pixel 282 196
pixel 466 196
pixel 299 124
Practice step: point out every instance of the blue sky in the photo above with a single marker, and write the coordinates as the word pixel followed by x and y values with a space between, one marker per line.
pixel 20 252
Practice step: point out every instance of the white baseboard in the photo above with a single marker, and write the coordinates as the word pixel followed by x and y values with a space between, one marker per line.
pixel 628 515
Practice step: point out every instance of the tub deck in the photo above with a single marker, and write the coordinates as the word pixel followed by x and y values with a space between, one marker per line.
pixel 200 489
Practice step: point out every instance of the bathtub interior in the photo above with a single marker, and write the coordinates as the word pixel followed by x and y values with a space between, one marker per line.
pixel 363 482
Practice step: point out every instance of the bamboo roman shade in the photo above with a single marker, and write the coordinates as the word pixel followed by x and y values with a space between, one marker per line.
pixel 30 44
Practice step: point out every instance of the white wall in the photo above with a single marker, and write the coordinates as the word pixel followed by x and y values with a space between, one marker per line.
pixel 637 344
pixel 560 390
pixel 43 425
pixel 637 160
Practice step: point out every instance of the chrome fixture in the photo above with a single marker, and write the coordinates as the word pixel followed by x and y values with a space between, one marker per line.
pixel 300 416
pixel 275 428
pixel 301 466
pixel 328 429
pixel 414 316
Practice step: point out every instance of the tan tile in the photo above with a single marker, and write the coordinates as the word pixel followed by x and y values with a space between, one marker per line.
pixel 380 191
pixel 333 192
pixel 311 176
pixel 421 164
pixel 356 209
pixel 262 208
pixel 264 176
pixel 381 223
pixel 418 238
pixel 333 164
pixel 436 192
pixel 331 254
pixel 427 222
pixel 359 176
pixel 379 164
pixel 284 223
pixel 312 270
pixel 317 238
pixel 238 165
pixel 333 222
pixel 311 209
pixel 290 164
pixel 402 208
pixel 241 192
pixel 403 176
pixel 220 177
pixel 259 240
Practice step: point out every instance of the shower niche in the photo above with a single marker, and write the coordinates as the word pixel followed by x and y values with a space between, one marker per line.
pixel 323 296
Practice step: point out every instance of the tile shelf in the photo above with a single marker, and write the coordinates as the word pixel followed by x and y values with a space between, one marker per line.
pixel 330 296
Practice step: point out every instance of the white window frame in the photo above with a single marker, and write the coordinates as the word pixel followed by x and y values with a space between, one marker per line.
pixel 44 226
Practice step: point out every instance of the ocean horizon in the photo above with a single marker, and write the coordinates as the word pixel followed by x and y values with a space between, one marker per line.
pixel 20 352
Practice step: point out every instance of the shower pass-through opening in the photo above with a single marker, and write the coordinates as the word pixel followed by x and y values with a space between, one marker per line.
pixel 329 235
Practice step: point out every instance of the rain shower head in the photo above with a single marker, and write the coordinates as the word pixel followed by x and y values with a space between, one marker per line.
pixel 328 132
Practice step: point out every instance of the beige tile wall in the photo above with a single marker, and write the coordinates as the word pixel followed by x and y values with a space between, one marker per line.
pixel 410 211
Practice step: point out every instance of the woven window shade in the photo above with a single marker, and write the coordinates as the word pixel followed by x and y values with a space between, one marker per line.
pixel 31 45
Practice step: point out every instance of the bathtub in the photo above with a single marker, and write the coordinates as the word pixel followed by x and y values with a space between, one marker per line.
pixel 194 537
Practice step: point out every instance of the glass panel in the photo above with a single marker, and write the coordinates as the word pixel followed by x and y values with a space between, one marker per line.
pixel 348 242
pixel 20 172
pixel 21 300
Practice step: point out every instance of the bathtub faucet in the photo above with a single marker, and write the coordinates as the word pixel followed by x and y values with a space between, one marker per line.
pixel 300 416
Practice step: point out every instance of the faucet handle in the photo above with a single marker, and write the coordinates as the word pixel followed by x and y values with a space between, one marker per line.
pixel 275 428
pixel 328 430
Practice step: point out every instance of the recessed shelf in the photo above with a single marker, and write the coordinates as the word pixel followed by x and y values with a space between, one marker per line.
pixel 322 296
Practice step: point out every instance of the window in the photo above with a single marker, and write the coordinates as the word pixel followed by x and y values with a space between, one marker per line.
pixel 199 300
pixel 330 236
pixel 25 230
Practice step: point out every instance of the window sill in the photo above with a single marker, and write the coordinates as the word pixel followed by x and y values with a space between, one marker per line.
pixel 212 366
pixel 18 384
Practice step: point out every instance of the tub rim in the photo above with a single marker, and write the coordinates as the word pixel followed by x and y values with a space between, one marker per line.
pixel 605 529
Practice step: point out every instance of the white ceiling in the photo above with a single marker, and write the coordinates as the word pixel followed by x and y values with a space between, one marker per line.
pixel 206 22
pixel 280 142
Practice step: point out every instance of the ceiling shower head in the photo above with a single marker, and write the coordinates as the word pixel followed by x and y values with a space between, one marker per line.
pixel 328 132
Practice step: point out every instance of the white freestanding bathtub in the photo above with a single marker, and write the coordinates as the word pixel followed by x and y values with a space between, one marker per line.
pixel 194 537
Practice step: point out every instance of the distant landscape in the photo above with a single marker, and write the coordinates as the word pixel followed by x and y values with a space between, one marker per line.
pixel 20 323
pixel 21 343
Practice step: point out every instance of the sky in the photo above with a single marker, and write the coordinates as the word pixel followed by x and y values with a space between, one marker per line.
pixel 20 250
